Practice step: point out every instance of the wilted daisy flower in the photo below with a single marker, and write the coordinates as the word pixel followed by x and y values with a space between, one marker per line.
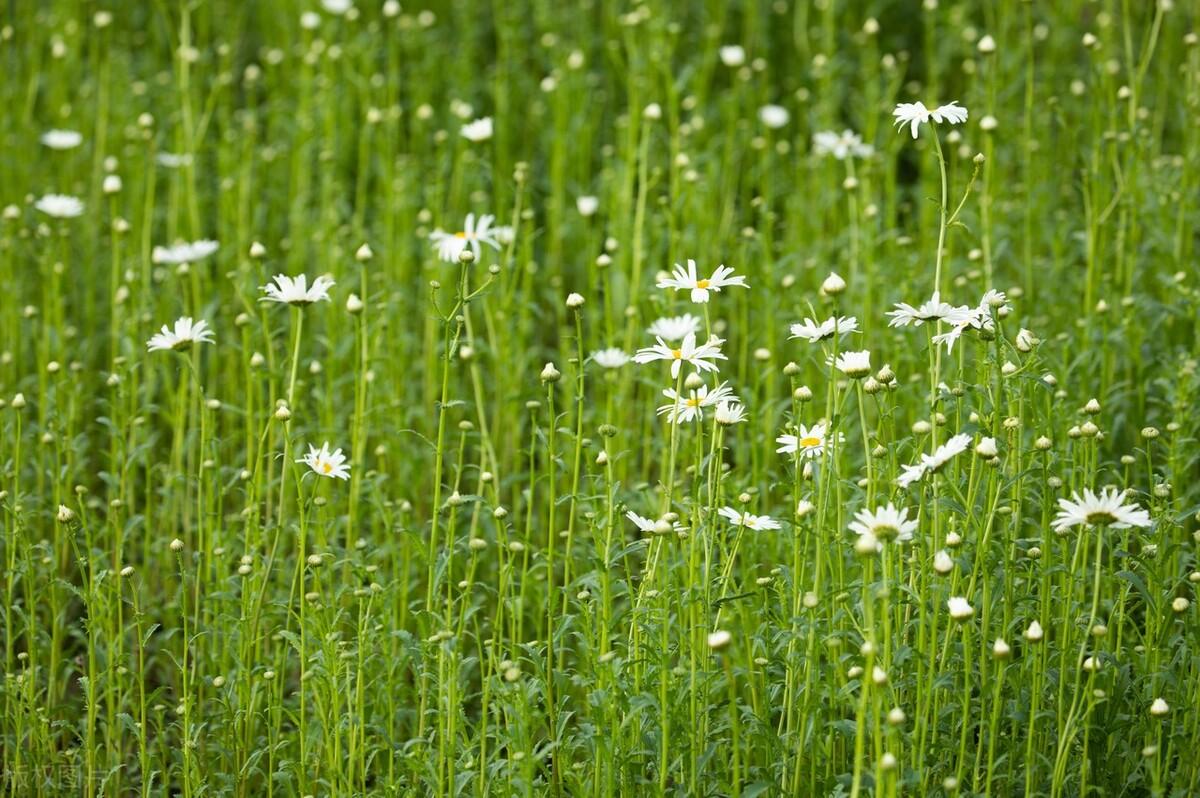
pixel 729 413
pixel 687 279
pixel 808 441
pixel 688 352
pixel 326 463
pixel 479 130
pixel 884 524
pixel 183 336
pixel 295 290
pixel 691 408
pixel 611 358
pixel 773 116
pixel 184 252
pixel 916 114
pixel 62 139
pixel 60 206
pixel 755 522
pixel 675 328
pixel 930 463
pixel 841 146
pixel 1106 508
pixel 810 331
pixel 474 233
pixel 854 364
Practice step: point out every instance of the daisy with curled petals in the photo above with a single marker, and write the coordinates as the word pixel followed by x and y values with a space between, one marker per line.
pixel 181 337
pixel 884 524
pixel 475 232
pixel 60 206
pixel 326 463
pixel 650 526
pixel 479 130
pixel 812 332
pixel 729 413
pixel 691 408
pixel 296 291
pixel 976 318
pixel 841 146
pixel 931 463
pixel 808 441
pixel 748 520
pixel 1106 508
pixel 611 358
pixel 675 328
pixel 184 252
pixel 916 114
pixel 688 279
pixel 698 357
pixel 853 364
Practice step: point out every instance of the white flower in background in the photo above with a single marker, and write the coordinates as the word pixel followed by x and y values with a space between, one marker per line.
pixel 812 332
pixel 933 310
pixel 295 290
pixel 479 130
pixel 931 463
pixel 474 233
pixel 587 205
pixel 675 328
pixel 808 441
pixel 1106 508
pixel 184 252
pixel 754 522
pixel 960 608
pixel 884 524
pixel 773 116
pixel 697 357
pixel 687 279
pixel 652 527
pixel 841 146
pixel 338 7
pixel 732 55
pixel 310 20
pixel 170 160
pixel 183 336
pixel 916 114
pixel 729 413
pixel 611 358
pixel 691 408
pixel 60 206
pixel 326 463
pixel 976 318
pixel 854 364
pixel 505 234
pixel 62 139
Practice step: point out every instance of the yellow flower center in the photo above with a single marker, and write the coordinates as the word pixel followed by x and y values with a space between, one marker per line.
pixel 810 442
pixel 460 235
pixel 692 402
pixel 677 354
pixel 326 467
pixel 702 283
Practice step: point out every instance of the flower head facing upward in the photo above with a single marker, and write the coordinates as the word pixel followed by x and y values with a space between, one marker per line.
pixel 474 234
pixel 960 609
pixel 326 463
pixel 60 206
pixel 296 291
pixel 854 364
pixel 729 413
pixel 884 524
pixel 182 336
pixel 697 357
pixel 675 328
pixel 1106 508
pixel 748 520
pixel 808 441
pixel 62 139
pixel 184 252
pixel 691 407
pixel 688 279
pixel 812 332
pixel 916 114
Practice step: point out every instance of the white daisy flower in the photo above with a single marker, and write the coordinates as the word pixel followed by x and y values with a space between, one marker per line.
pixel 183 336
pixel 611 358
pixel 729 413
pixel 650 526
pixel 691 408
pixel 688 352
pixel 841 146
pixel 687 279
pixel 337 7
pixel 1106 508
pixel 326 463
pixel 184 252
pixel 479 130
pixel 808 441
pixel 171 160
pixel 732 55
pixel 931 463
pixel 884 524
pixel 295 290
pixel 754 522
pixel 474 233
pixel 773 116
pixel 812 332
pixel 60 206
pixel 933 310
pixel 62 139
pixel 960 609
pixel 675 328
pixel 854 364
pixel 587 205
pixel 916 114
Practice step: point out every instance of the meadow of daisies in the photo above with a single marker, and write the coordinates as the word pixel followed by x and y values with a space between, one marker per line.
pixel 599 399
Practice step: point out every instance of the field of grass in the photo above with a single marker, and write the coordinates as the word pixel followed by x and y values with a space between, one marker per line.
pixel 671 405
